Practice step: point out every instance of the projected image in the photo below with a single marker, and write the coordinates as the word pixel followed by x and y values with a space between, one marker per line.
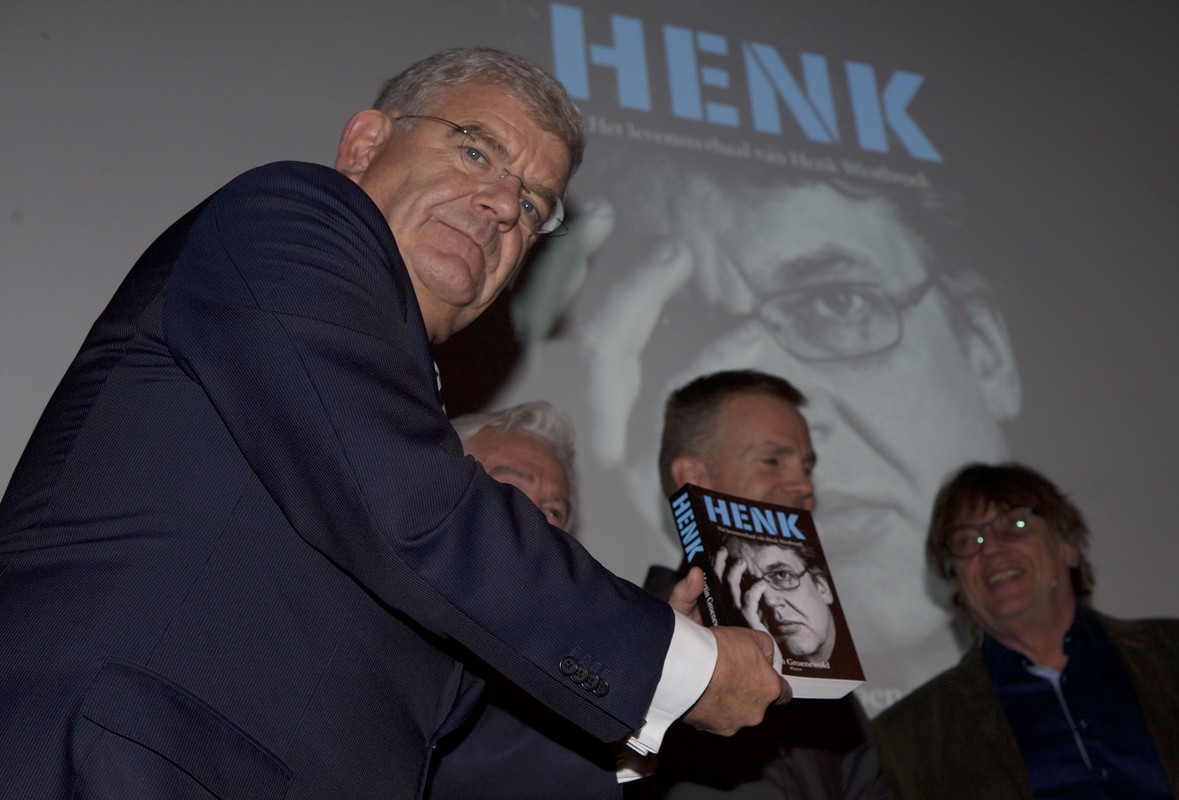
pixel 864 295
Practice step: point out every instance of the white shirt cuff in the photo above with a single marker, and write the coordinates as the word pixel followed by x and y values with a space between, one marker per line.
pixel 687 669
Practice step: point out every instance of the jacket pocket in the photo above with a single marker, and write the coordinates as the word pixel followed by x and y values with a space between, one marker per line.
pixel 157 737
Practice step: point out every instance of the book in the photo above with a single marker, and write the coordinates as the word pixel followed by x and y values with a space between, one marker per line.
pixel 764 568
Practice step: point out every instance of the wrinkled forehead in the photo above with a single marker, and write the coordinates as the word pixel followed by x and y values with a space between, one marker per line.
pixel 767 557
pixel 776 238
pixel 510 128
pixel 511 441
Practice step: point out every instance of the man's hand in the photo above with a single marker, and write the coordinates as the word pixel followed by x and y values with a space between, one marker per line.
pixel 558 272
pixel 732 572
pixel 613 341
pixel 743 683
pixel 685 593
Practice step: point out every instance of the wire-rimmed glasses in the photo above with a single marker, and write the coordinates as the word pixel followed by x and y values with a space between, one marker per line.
pixel 480 157
pixel 841 319
pixel 967 539
pixel 784 579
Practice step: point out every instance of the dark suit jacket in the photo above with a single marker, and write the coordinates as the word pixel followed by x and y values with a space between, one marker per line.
pixel 243 551
pixel 513 748
pixel 950 737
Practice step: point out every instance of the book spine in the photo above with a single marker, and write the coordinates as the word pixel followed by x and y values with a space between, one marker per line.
pixel 697 555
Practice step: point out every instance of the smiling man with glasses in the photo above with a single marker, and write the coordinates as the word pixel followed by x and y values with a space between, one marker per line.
pixel 1056 699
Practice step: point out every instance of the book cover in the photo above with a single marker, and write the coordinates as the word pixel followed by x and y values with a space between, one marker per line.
pixel 764 568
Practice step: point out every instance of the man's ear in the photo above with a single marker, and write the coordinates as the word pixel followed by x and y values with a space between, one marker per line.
pixel 361 140
pixel 1072 556
pixel 982 334
pixel 824 587
pixel 689 469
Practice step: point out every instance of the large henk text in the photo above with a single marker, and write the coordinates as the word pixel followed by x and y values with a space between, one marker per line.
pixel 875 112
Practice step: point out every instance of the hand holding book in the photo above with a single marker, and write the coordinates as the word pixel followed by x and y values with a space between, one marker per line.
pixel 743 683
pixel 764 569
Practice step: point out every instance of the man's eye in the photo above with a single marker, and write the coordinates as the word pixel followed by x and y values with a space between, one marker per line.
pixel 962 539
pixel 475 156
pixel 530 208
pixel 823 308
pixel 842 304
pixel 1018 519
pixel 783 578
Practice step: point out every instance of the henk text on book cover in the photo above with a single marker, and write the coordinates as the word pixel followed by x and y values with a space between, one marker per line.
pixel 764 568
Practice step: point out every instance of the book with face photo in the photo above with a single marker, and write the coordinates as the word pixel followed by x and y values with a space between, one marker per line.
pixel 764 568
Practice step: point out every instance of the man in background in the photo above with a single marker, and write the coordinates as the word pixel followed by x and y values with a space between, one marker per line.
pixel 1056 699
pixel 741 432
pixel 529 446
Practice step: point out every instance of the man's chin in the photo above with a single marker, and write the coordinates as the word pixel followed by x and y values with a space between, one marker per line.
pixel 465 315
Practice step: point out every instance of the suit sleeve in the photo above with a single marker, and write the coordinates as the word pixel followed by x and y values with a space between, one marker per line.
pixel 291 308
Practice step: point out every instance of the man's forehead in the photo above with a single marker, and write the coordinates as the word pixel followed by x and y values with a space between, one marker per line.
pixel 500 439
pixel 981 509
pixel 761 404
pixel 762 416
pixel 809 235
pixel 517 453
pixel 508 126
pixel 772 556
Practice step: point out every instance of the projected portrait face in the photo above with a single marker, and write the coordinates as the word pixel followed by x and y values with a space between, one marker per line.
pixel 905 377
pixel 859 300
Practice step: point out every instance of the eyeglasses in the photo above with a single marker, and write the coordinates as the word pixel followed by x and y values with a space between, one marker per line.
pixel 967 539
pixel 841 319
pixel 541 213
pixel 784 579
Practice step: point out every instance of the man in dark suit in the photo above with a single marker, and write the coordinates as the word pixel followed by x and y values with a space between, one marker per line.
pixel 512 747
pixel 243 554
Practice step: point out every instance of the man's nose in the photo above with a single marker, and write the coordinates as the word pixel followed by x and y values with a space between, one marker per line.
pixel 800 491
pixel 783 600
pixel 808 493
pixel 990 544
pixel 502 197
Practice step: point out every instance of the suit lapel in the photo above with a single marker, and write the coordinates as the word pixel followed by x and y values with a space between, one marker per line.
pixel 995 744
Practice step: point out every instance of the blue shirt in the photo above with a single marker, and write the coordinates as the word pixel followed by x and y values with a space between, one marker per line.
pixel 1080 731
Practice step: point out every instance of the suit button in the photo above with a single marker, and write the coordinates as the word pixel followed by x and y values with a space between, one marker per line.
pixel 568 665
pixel 602 689
pixel 592 681
pixel 580 675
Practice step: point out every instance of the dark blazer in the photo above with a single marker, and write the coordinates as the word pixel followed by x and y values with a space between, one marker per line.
pixel 243 555
pixel 950 738
pixel 513 748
